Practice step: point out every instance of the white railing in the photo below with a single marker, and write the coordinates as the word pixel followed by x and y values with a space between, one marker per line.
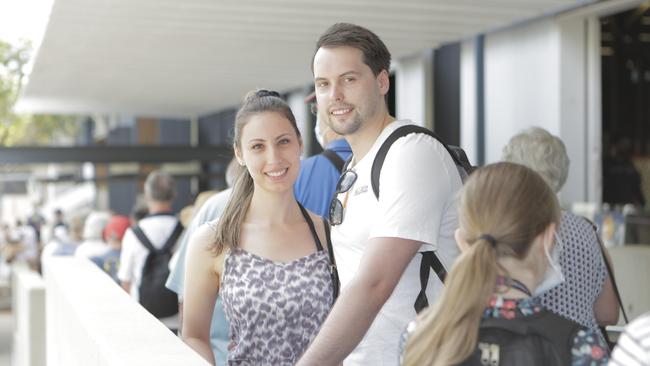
pixel 92 321
pixel 28 291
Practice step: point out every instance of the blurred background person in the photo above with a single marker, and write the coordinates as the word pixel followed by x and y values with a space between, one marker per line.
pixel 155 235
pixel 93 244
pixel 109 261
pixel 586 295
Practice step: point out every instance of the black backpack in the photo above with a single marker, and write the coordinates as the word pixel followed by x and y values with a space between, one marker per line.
pixel 429 258
pixel 541 339
pixel 154 296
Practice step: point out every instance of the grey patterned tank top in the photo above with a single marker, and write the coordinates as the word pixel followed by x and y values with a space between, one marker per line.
pixel 275 309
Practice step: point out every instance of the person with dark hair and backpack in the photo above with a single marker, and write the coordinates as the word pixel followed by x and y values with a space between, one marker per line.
pixel 147 248
pixel 487 314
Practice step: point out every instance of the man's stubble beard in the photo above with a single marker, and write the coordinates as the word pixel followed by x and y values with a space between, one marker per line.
pixel 346 128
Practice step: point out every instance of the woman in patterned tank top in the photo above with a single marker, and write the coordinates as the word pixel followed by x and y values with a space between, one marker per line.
pixel 264 255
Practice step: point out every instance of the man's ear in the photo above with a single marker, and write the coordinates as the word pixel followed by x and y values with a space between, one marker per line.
pixel 383 80
pixel 463 245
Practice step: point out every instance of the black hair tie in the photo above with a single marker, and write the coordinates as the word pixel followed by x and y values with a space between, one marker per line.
pixel 267 93
pixel 490 239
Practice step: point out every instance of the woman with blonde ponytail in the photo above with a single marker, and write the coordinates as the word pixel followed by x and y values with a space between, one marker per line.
pixel 508 217
pixel 264 256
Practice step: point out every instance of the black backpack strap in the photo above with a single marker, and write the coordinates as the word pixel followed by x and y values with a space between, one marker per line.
pixel 173 238
pixel 137 230
pixel 169 244
pixel 334 158
pixel 394 136
pixel 429 260
pixel 334 273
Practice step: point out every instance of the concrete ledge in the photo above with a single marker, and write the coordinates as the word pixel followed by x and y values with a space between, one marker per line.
pixel 92 321
pixel 29 317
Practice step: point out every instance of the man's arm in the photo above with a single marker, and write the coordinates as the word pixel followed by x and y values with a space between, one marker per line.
pixel 380 270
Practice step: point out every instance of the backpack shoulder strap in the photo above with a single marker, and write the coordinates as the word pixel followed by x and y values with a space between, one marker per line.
pixel 334 158
pixel 173 238
pixel 400 132
pixel 137 230
pixel 429 260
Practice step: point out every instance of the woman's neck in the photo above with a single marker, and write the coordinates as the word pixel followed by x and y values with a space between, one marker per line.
pixel 271 208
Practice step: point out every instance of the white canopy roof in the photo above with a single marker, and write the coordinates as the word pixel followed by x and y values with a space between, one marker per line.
pixel 191 57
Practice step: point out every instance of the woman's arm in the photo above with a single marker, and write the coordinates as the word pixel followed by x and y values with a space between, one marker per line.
pixel 201 289
pixel 606 307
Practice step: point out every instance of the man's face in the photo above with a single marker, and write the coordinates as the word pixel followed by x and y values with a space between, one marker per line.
pixel 347 92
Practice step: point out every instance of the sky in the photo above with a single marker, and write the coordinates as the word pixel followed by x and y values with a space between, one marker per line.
pixel 24 19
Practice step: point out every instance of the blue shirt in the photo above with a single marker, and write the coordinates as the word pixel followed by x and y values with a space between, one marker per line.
pixel 316 182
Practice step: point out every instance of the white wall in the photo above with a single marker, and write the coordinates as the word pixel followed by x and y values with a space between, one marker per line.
pixel 414 88
pixel 573 99
pixel 468 107
pixel 521 83
pixel 539 74
pixel 92 321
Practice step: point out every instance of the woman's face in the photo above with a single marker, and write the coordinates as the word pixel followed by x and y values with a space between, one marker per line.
pixel 270 149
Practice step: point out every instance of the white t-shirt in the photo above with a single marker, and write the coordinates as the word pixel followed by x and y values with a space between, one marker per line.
pixel 157 228
pixel 418 201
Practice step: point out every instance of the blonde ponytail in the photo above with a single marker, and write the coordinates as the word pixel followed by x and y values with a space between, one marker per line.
pixel 503 207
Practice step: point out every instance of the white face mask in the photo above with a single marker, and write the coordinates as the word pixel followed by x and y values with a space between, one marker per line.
pixel 318 135
pixel 553 276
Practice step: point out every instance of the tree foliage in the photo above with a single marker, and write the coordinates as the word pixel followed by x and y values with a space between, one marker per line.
pixel 25 129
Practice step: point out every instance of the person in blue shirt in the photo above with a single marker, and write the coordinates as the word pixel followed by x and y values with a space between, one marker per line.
pixel 314 189
pixel 316 182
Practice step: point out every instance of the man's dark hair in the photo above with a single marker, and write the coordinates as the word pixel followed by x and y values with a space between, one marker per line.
pixel 159 186
pixel 375 53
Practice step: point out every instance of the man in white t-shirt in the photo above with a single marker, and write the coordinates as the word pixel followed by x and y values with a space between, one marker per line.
pixel 158 226
pixel 377 240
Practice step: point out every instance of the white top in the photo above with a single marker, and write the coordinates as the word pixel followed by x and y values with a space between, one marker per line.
pixel 157 228
pixel 417 201
pixel 633 347
pixel 91 248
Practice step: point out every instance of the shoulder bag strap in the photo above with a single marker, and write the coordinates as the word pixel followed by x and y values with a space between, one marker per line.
pixel 310 223
pixel 610 272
